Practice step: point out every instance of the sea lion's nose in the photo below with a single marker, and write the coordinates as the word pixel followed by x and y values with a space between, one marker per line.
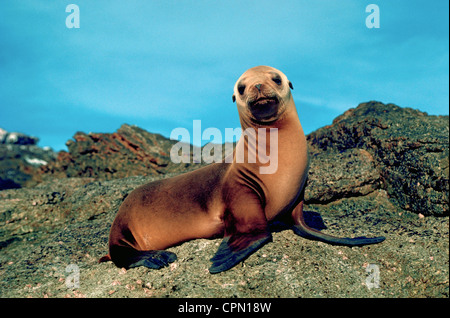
pixel 258 86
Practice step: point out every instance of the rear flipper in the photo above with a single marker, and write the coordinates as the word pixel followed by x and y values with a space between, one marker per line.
pixel 129 257
pixel 301 228
pixel 237 248
pixel 346 241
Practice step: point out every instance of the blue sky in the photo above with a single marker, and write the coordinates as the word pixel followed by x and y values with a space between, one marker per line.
pixel 162 64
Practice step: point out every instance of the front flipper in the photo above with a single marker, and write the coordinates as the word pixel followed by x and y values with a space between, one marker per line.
pixel 245 224
pixel 153 259
pixel 128 257
pixel 237 248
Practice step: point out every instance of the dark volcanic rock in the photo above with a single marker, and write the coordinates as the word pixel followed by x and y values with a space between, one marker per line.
pixel 334 176
pixel 409 147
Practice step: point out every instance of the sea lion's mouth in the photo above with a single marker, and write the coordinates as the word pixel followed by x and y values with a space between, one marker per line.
pixel 263 101
pixel 264 108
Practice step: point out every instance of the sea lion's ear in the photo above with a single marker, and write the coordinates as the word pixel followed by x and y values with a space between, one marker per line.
pixel 290 85
pixel 234 98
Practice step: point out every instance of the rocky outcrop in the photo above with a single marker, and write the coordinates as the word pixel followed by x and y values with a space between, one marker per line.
pixel 402 150
pixel 15 138
pixel 373 146
pixel 130 151
pixel 21 159
pixel 366 168
pixel 333 176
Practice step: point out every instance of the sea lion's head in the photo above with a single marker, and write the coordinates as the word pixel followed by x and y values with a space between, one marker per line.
pixel 262 94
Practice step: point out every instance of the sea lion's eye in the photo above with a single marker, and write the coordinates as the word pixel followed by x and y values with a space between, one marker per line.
pixel 277 79
pixel 241 89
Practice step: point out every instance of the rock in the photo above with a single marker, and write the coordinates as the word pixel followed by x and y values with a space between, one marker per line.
pixel 130 151
pixel 15 138
pixel 409 147
pixel 358 165
pixel 21 159
pixel 373 146
pixel 341 175
pixel 66 222
pixel 3 134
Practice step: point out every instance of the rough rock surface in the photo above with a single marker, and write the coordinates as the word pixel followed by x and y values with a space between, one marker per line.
pixel 373 146
pixel 130 151
pixel 56 224
pixel 409 148
pixel 334 176
pixel 356 165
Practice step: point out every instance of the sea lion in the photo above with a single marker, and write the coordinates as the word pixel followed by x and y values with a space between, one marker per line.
pixel 233 200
